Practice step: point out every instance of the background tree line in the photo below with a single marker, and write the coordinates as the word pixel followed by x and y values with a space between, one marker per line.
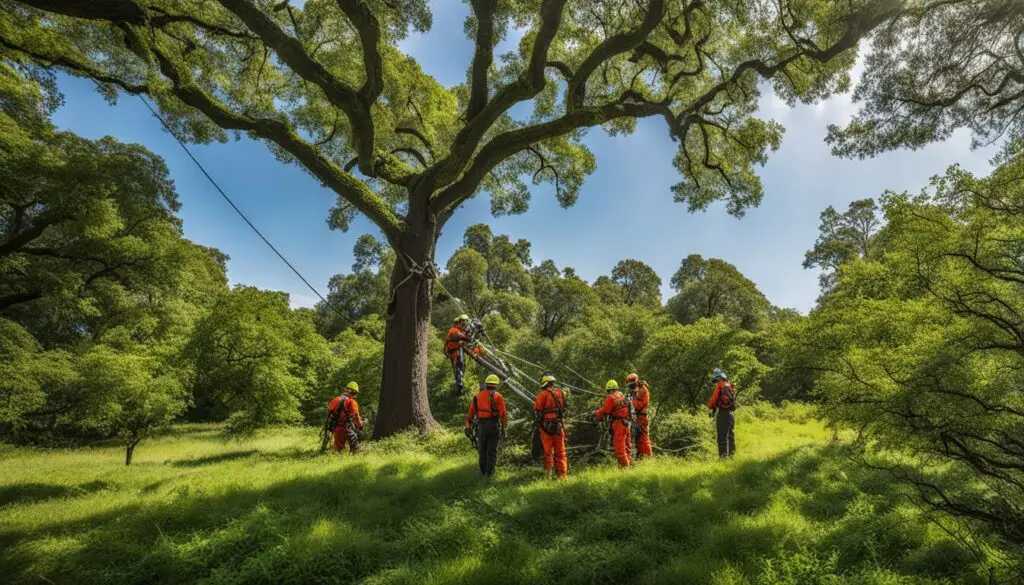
pixel 114 325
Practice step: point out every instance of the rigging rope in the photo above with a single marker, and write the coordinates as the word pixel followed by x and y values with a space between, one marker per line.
pixel 235 207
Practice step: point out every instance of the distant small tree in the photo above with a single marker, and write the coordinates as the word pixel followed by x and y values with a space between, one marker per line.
pixel 134 395
pixel 562 301
pixel 678 361
pixel 254 359
pixel 640 284
pixel 843 237
pixel 714 287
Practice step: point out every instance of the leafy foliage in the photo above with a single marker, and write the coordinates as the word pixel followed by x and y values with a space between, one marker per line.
pixel 327 87
pixel 924 347
pixel 255 359
pixel 714 287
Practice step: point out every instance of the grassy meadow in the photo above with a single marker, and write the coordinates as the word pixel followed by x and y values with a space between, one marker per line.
pixel 195 507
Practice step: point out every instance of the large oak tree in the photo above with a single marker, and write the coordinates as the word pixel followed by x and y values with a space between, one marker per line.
pixel 327 88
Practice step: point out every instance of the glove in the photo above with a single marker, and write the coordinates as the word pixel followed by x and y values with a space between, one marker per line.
pixel 712 412
pixel 469 433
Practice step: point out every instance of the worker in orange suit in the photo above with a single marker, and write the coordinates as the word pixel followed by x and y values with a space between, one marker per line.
pixel 616 408
pixel 345 421
pixel 722 408
pixel 640 396
pixel 550 412
pixel 454 343
pixel 485 412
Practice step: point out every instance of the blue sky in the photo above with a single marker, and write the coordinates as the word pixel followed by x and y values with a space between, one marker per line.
pixel 625 209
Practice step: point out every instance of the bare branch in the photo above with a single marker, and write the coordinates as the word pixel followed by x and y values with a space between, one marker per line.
pixel 278 132
pixel 358 12
pixel 525 87
pixel 483 55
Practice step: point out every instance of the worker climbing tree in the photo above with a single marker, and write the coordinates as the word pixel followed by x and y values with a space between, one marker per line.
pixel 404 151
pixel 455 349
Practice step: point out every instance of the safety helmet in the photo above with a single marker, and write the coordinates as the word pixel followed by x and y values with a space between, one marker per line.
pixel 611 385
pixel 719 375
pixel 352 387
pixel 492 380
pixel 546 379
pixel 632 379
pixel 460 318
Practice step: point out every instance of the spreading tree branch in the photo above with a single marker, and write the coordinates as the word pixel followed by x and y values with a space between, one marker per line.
pixel 483 55
pixel 613 45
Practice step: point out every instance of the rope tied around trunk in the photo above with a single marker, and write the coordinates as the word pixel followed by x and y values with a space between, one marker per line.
pixel 426 271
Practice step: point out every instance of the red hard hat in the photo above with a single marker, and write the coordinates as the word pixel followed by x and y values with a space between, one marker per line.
pixel 632 378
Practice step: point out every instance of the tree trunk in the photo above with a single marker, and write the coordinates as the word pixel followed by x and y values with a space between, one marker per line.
pixel 404 401
pixel 129 451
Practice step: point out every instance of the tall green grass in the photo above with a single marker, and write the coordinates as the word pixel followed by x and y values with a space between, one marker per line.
pixel 267 509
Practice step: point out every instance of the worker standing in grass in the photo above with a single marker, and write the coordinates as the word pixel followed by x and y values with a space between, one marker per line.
pixel 722 406
pixel 344 420
pixel 640 396
pixel 550 412
pixel 454 348
pixel 486 412
pixel 616 408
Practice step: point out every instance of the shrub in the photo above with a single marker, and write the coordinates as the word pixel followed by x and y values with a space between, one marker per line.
pixel 683 433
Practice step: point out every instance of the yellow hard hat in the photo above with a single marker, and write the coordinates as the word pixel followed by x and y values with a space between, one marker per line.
pixel 546 379
pixel 352 387
pixel 611 385
pixel 492 380
pixel 462 317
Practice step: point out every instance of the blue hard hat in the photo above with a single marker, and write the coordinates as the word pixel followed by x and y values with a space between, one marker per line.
pixel 719 375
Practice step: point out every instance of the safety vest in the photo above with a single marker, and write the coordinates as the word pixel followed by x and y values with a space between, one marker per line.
pixel 557 407
pixel 492 412
pixel 641 388
pixel 622 411
pixel 454 340
pixel 339 414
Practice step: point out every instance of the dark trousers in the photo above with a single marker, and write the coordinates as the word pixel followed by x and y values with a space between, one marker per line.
pixel 487 444
pixel 458 368
pixel 726 424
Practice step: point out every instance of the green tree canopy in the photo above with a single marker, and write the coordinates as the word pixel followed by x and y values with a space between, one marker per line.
pixel 255 359
pixel 639 283
pixel 562 300
pixel 939 66
pixel 360 294
pixel 327 87
pixel 714 287
pixel 924 347
pixel 842 237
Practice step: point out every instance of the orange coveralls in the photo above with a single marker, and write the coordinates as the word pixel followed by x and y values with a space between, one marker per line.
pixel 550 404
pixel 641 399
pixel 342 431
pixel 616 407
pixel 453 348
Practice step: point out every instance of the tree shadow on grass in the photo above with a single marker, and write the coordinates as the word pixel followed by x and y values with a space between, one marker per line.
pixel 214 459
pixel 377 521
pixel 27 493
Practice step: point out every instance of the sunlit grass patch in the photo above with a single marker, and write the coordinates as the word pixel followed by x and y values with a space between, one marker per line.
pixel 267 508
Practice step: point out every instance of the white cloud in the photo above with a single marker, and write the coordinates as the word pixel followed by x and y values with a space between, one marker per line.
pixel 300 301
